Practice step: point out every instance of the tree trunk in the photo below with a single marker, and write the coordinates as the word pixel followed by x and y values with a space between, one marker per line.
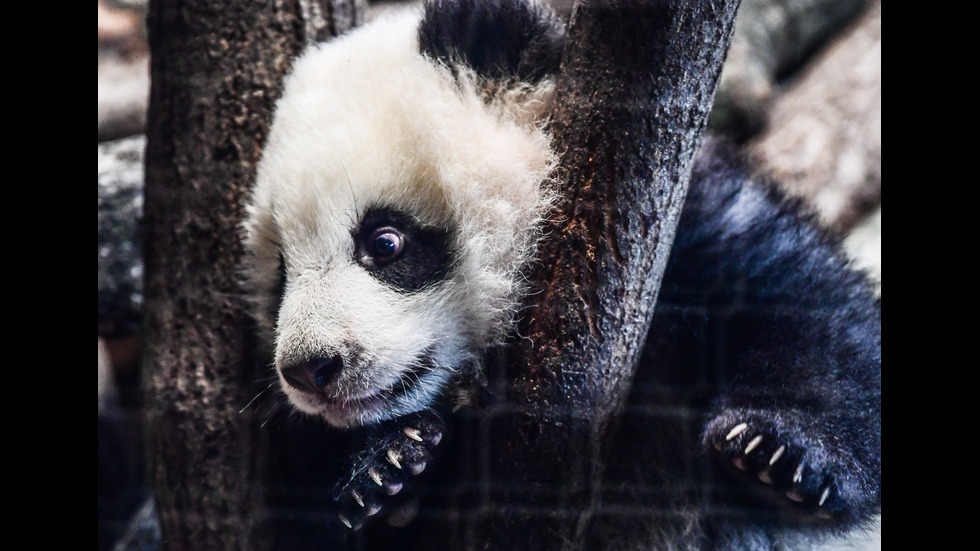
pixel 633 100
pixel 216 72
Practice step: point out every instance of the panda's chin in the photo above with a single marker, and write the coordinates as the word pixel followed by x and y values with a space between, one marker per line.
pixel 352 413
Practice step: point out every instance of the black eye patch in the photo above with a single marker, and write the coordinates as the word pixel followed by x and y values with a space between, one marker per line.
pixel 400 252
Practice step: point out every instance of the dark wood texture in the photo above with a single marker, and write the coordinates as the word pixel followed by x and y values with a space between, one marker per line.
pixel 216 72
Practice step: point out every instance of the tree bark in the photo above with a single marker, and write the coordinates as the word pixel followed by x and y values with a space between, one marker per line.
pixel 634 95
pixel 216 72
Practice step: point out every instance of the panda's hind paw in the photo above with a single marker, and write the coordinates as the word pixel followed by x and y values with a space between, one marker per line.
pixel 782 461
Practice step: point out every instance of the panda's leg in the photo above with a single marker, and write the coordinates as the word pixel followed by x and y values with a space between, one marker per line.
pixel 798 413
pixel 395 453
pixel 792 335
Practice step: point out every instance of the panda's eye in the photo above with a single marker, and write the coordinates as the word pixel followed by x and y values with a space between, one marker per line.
pixel 386 244
pixel 399 250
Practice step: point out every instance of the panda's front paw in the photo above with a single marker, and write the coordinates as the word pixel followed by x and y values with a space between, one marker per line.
pixel 395 453
pixel 783 459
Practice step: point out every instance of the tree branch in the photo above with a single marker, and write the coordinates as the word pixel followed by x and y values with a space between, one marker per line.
pixel 633 99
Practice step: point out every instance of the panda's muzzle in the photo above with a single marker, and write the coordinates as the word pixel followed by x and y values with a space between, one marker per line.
pixel 313 375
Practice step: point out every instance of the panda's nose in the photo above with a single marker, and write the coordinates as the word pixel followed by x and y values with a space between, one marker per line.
pixel 313 375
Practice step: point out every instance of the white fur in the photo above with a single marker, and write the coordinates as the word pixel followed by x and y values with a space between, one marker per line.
pixel 365 120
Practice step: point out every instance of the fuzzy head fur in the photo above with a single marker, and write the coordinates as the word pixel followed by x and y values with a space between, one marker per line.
pixel 373 135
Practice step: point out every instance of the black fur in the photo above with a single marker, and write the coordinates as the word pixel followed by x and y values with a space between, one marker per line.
pixel 762 321
pixel 495 38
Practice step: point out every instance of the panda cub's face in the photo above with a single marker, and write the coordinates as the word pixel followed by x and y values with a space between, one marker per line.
pixel 394 208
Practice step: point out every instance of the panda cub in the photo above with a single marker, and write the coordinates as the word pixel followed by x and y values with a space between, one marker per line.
pixel 398 202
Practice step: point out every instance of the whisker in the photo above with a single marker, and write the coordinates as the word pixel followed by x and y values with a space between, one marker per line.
pixel 261 392
pixel 350 185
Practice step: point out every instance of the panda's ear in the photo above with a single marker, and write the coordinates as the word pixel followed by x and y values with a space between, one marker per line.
pixel 498 39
